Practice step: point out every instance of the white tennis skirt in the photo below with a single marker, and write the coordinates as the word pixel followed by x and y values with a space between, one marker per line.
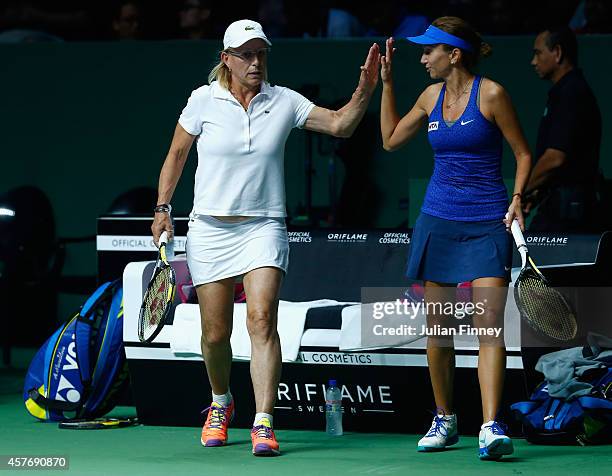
pixel 217 249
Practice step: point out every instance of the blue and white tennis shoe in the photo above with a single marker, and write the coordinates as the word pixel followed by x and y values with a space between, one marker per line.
pixel 493 441
pixel 443 433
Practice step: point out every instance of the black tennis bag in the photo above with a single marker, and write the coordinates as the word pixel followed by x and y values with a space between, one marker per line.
pixel 80 370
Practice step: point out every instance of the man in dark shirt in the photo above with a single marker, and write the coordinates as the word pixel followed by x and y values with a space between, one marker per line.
pixel 563 182
pixel 565 177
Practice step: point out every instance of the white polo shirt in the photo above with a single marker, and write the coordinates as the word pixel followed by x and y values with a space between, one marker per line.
pixel 241 153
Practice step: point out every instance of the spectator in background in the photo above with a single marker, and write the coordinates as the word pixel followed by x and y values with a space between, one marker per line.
pixel 305 22
pixel 126 24
pixel 411 20
pixel 564 179
pixel 36 20
pixel 500 18
pixel 343 20
pixel 195 20
pixel 272 16
pixel 391 18
pixel 592 16
pixel 469 10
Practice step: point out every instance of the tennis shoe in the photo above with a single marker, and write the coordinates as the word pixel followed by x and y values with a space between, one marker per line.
pixel 493 441
pixel 264 441
pixel 443 433
pixel 214 432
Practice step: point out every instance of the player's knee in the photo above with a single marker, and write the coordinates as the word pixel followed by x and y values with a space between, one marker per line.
pixel 260 324
pixel 491 326
pixel 215 336
pixel 491 316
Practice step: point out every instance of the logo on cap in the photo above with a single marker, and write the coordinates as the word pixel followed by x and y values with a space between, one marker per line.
pixel 249 27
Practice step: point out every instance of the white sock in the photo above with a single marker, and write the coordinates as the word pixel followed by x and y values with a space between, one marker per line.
pixel 224 399
pixel 259 416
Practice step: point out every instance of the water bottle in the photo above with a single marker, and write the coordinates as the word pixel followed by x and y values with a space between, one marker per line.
pixel 333 409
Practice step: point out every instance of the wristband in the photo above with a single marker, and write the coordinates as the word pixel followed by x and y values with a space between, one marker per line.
pixel 163 208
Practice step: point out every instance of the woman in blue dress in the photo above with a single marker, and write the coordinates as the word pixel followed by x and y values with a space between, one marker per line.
pixel 461 234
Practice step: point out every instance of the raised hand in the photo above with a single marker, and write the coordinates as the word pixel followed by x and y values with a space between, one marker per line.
pixel 386 61
pixel 369 71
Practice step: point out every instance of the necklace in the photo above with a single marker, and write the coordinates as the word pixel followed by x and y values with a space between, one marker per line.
pixel 465 90
pixel 244 105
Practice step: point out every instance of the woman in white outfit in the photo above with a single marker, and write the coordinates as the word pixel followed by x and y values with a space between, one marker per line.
pixel 237 228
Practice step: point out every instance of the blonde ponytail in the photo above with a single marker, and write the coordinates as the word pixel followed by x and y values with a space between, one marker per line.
pixel 221 74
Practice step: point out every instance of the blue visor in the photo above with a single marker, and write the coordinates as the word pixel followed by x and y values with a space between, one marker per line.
pixel 435 36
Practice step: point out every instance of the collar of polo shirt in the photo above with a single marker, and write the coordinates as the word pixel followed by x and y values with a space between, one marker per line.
pixel 220 92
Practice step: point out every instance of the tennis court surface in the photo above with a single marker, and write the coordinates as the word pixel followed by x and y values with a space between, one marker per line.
pixel 149 450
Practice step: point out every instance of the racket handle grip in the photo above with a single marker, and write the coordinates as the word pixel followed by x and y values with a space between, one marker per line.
pixel 519 239
pixel 163 239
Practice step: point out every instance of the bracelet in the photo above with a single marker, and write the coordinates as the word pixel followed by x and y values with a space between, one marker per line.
pixel 163 208
pixel 520 195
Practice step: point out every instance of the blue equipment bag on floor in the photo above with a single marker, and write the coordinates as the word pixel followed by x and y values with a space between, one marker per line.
pixel 582 420
pixel 79 370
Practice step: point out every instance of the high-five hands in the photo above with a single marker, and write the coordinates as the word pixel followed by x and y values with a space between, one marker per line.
pixel 386 61
pixel 369 71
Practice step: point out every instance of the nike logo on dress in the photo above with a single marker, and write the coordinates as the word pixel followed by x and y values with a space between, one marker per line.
pixel 463 123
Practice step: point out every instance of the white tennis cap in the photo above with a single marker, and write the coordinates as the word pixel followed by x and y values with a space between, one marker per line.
pixel 241 31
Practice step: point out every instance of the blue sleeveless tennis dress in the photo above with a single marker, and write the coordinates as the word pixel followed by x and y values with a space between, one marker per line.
pixel 459 235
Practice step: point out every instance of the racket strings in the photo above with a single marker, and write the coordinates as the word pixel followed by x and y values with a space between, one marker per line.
pixel 546 309
pixel 155 302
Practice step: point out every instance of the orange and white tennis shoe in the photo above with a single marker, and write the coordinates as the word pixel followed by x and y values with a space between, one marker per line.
pixel 214 432
pixel 264 441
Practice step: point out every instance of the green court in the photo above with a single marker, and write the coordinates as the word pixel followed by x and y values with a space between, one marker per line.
pixel 151 450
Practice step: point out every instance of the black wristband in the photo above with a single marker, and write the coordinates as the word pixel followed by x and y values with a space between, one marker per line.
pixel 163 208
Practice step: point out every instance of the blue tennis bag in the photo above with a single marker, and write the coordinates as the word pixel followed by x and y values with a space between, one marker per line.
pixel 81 369
pixel 583 420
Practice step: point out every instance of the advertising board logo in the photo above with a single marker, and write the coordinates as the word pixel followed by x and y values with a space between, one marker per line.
pixel 547 240
pixel 395 239
pixel 347 237
pixel 334 358
pixel 310 398
pixel 299 237
pixel 135 243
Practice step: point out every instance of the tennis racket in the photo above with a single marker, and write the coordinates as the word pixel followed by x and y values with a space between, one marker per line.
pixel 158 298
pixel 98 423
pixel 541 306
